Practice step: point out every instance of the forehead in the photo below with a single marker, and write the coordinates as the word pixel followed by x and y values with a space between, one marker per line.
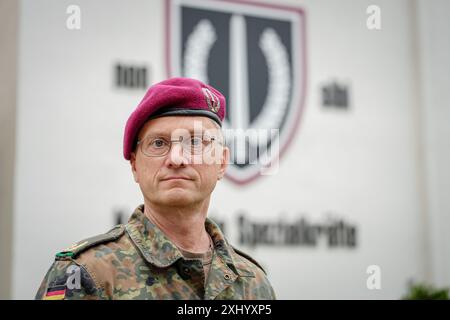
pixel 170 124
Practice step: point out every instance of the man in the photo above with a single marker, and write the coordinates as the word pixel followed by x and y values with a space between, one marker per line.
pixel 169 249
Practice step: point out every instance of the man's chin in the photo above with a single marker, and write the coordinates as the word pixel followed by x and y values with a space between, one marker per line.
pixel 177 197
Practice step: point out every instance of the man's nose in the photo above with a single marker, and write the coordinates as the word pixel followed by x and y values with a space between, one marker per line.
pixel 176 156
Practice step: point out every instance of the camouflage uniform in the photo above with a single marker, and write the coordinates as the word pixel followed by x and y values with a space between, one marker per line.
pixel 137 261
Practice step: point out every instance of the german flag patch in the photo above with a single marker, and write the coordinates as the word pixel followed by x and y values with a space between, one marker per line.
pixel 55 293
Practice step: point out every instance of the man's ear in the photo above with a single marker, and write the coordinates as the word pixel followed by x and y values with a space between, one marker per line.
pixel 133 166
pixel 224 162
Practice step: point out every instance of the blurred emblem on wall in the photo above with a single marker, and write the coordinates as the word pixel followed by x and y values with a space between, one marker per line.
pixel 255 54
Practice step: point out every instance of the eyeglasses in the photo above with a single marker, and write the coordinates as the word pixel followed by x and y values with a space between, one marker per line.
pixel 159 146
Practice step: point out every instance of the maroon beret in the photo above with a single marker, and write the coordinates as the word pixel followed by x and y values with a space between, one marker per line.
pixel 172 97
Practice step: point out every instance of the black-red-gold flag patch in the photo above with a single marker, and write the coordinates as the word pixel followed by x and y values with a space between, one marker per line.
pixel 55 293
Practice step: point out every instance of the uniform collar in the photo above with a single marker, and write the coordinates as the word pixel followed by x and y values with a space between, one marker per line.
pixel 225 251
pixel 154 245
pixel 158 250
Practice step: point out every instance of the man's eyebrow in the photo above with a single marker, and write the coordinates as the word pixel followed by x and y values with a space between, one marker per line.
pixel 165 133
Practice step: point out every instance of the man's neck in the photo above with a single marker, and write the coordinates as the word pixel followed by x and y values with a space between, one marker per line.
pixel 185 226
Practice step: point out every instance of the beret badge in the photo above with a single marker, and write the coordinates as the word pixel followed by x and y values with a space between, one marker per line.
pixel 211 99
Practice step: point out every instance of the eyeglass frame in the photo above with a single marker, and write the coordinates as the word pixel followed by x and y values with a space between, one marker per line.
pixel 170 142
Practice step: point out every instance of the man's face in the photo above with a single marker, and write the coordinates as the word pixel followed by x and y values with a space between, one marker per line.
pixel 178 178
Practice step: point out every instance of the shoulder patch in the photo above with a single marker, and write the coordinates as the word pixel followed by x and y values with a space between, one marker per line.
pixel 245 255
pixel 83 245
pixel 55 293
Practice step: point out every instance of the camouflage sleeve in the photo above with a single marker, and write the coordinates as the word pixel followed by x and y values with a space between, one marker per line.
pixel 66 280
pixel 273 296
pixel 263 289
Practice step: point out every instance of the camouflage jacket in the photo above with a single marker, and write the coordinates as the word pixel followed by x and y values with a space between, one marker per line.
pixel 137 261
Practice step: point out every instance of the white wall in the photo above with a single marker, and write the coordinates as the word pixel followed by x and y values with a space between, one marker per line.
pixel 70 172
pixel 434 53
pixel 362 164
pixel 8 79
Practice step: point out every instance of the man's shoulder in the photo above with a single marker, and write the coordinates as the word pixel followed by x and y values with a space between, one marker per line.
pixel 245 261
pixel 94 243
pixel 89 262
pixel 250 269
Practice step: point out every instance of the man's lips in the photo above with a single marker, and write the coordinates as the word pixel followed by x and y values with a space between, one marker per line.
pixel 175 178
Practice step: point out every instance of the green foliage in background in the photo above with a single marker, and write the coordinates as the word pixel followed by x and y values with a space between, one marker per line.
pixel 421 291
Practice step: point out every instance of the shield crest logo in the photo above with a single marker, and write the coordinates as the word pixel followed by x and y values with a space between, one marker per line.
pixel 255 54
